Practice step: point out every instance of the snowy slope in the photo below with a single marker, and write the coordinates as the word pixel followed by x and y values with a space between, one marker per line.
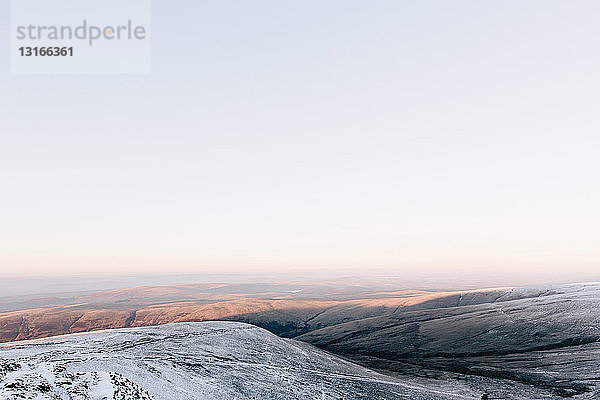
pixel 208 360
pixel 218 360
pixel 550 340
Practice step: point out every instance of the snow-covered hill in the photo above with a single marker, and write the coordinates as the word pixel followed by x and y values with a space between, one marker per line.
pixel 546 337
pixel 231 360
pixel 208 360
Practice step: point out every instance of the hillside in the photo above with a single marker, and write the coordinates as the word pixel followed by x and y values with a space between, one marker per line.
pixel 212 360
pixel 551 340
pixel 288 310
pixel 546 339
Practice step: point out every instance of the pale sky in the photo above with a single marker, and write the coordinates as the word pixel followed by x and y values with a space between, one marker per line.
pixel 431 135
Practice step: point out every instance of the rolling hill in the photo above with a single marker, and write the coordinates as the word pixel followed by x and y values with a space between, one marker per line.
pixel 546 339
pixel 211 360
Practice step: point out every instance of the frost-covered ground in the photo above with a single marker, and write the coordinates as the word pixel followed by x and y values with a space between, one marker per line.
pixel 208 360
pixel 548 338
pixel 230 360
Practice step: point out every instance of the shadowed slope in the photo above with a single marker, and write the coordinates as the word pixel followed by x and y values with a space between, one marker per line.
pixel 550 340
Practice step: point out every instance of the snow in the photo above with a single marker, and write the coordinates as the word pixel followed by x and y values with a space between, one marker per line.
pixel 209 360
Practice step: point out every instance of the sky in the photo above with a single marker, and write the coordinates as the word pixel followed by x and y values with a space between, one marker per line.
pixel 315 135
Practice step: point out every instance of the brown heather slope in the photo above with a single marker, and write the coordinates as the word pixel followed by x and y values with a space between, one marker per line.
pixel 283 307
pixel 285 317
pixel 38 323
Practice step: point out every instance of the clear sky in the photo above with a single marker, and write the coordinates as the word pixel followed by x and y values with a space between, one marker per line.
pixel 393 135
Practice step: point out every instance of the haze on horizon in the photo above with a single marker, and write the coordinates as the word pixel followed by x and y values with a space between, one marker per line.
pixel 391 136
